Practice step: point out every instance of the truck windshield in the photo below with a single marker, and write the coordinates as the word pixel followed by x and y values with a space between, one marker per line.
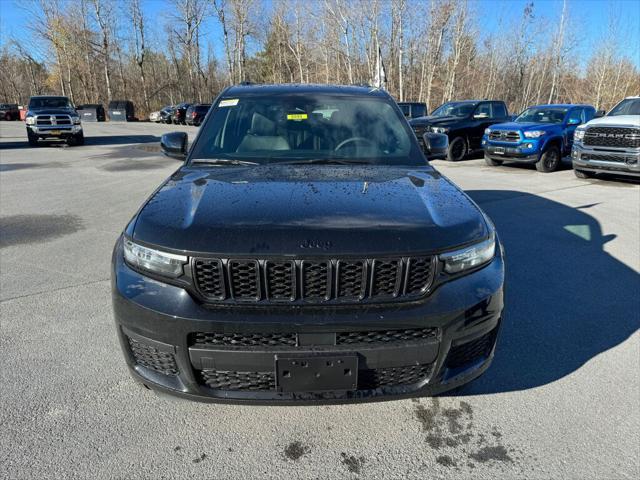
pixel 307 128
pixel 50 102
pixel 542 115
pixel 629 106
pixel 454 109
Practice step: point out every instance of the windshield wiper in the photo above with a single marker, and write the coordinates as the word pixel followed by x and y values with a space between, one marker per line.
pixel 222 161
pixel 325 161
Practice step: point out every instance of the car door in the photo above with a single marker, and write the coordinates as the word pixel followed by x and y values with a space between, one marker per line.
pixel 574 118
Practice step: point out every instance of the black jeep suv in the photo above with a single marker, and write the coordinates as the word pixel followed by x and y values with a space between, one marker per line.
pixel 463 122
pixel 306 251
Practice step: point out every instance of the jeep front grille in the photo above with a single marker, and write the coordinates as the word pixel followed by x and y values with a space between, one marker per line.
pixel 263 281
pixel 620 137
pixel 504 136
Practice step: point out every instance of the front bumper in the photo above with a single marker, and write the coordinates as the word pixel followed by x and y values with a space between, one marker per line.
pixel 174 344
pixel 619 161
pixel 52 131
pixel 527 152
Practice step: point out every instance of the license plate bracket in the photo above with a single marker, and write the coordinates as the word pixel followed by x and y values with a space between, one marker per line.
pixel 316 373
pixel 54 132
pixel 498 150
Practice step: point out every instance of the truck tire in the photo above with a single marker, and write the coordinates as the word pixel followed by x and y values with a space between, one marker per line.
pixel 583 174
pixel 549 160
pixel 457 149
pixel 33 139
pixel 76 140
pixel 7 116
pixel 491 162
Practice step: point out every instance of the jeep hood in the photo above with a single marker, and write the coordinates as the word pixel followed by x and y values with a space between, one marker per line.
pixel 617 120
pixel 280 210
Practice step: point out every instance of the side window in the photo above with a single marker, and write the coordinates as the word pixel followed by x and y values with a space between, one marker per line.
pixel 419 111
pixel 589 113
pixel 576 115
pixel 499 111
pixel 483 111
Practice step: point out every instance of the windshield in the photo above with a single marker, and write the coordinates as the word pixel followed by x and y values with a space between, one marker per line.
pixel 542 115
pixel 50 102
pixel 454 109
pixel 293 127
pixel 629 106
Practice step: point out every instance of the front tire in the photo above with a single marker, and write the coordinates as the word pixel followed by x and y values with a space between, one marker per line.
pixel 583 174
pixel 76 140
pixel 457 149
pixel 491 162
pixel 550 160
pixel 33 139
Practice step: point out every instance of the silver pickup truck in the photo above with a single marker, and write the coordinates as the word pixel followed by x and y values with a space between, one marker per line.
pixel 609 144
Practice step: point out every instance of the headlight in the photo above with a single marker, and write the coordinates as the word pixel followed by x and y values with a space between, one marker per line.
pixel 76 120
pixel 534 133
pixel 487 131
pixel 470 257
pixel 30 120
pixel 579 134
pixel 163 263
pixel 439 129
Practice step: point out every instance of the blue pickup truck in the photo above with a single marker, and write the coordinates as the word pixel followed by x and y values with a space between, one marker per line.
pixel 541 135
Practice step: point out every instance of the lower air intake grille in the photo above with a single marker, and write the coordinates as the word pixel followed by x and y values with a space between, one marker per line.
pixel 385 336
pixel 152 358
pixel 201 339
pixel 392 376
pixel 471 352
pixel 243 381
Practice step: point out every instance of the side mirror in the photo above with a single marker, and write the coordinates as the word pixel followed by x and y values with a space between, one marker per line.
pixel 435 145
pixel 174 145
pixel 573 121
pixel 599 113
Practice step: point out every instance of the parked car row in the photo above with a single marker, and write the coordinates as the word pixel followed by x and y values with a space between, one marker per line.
pixel 541 135
pixel 181 114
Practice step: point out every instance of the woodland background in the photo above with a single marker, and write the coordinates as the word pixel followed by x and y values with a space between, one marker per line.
pixel 433 50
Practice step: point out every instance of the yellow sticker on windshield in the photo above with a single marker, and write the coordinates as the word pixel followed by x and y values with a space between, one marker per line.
pixel 297 116
pixel 228 102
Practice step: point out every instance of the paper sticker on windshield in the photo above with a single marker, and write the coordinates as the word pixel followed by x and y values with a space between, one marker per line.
pixel 228 102
pixel 297 116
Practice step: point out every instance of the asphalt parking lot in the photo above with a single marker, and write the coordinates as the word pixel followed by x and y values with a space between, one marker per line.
pixel 562 399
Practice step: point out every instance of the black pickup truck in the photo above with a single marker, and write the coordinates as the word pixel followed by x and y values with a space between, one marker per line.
pixel 463 122
pixel 53 117
pixel 306 251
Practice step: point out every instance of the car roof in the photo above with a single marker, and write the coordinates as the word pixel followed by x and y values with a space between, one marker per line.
pixel 563 105
pixel 299 88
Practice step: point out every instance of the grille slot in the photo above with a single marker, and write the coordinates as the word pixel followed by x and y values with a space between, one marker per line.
pixel 470 352
pixel 419 275
pixel 504 135
pixel 201 339
pixel 620 137
pixel 243 276
pixel 385 336
pixel 280 280
pixel 311 281
pixel 210 278
pixel 386 278
pixel 604 157
pixel 351 279
pixel 315 280
pixel 152 358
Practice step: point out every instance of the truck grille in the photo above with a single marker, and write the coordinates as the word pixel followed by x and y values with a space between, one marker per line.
pixel 504 136
pixel 312 281
pixel 620 137
pixel 368 379
pixel 53 120
pixel 285 341
pixel 603 157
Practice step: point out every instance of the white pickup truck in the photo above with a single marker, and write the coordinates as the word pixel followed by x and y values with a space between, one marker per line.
pixel 609 144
